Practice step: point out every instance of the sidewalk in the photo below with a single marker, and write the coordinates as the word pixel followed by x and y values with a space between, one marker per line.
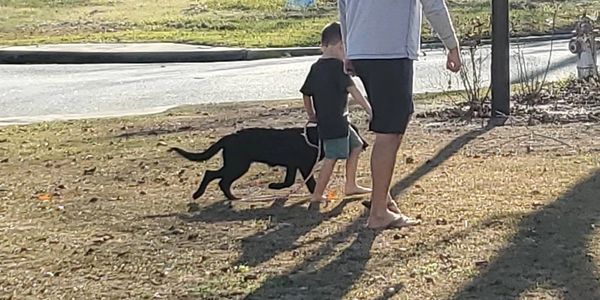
pixel 170 52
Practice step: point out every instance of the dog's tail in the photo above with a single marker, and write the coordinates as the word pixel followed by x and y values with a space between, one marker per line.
pixel 202 156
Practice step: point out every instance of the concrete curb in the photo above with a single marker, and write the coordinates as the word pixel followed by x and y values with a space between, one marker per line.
pixel 74 57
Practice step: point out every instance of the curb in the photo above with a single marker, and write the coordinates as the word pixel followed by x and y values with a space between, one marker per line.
pixel 72 57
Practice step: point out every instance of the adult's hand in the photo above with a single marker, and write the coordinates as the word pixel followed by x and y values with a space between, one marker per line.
pixel 454 62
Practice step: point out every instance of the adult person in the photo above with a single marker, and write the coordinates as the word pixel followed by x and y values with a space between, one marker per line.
pixel 382 39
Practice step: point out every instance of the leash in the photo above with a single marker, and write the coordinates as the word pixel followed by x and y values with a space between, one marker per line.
pixel 293 192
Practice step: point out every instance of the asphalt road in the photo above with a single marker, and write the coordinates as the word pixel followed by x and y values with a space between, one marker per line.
pixel 31 93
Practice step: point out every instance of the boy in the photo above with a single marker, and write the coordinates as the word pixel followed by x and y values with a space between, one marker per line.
pixel 325 92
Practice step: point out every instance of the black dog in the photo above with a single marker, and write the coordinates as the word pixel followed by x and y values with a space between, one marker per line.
pixel 274 147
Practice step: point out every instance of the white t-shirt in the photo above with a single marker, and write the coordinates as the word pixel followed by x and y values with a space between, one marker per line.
pixel 387 29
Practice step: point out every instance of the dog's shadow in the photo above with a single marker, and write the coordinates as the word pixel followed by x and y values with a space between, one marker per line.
pixel 285 225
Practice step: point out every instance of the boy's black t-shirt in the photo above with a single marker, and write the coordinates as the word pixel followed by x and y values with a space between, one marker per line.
pixel 327 84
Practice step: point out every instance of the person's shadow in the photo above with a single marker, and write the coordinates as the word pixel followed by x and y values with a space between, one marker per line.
pixel 550 251
pixel 335 280
pixel 289 223
pixel 332 281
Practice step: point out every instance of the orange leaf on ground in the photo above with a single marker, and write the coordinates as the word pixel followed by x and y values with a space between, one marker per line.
pixel 331 195
pixel 45 197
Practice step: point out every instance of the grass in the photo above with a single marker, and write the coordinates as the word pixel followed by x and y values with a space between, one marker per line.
pixel 98 208
pixel 247 23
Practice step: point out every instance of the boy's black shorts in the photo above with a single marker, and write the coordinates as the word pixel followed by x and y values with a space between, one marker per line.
pixel 389 87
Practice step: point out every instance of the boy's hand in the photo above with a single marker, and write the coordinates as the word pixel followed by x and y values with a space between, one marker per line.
pixel 348 67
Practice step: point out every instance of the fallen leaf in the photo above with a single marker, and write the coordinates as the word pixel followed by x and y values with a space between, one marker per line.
pixel 537 204
pixel 45 197
pixel 89 171
pixel 481 263
pixel 331 195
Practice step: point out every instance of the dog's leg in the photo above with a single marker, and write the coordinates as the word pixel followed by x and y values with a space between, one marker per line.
pixel 290 176
pixel 310 183
pixel 233 173
pixel 208 177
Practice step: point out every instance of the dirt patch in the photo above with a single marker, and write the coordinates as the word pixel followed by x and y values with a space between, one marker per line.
pixel 98 208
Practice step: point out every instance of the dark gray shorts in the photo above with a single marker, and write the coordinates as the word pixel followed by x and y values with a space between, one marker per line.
pixel 389 87
pixel 340 148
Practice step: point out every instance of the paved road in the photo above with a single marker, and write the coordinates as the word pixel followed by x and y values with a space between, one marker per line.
pixel 30 93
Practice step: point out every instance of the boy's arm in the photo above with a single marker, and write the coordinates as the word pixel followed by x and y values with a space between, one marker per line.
pixel 358 97
pixel 310 110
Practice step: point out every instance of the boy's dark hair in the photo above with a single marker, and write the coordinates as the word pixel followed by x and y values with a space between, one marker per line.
pixel 331 34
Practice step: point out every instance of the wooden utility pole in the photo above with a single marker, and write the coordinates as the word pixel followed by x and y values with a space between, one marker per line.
pixel 500 60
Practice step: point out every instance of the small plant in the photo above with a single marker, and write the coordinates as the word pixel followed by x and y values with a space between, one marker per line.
pixel 532 82
pixel 472 80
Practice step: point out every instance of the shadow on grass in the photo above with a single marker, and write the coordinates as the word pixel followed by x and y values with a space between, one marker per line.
pixel 549 252
pixel 335 280
pixel 159 131
pixel 442 155
pixel 287 225
pixel 224 119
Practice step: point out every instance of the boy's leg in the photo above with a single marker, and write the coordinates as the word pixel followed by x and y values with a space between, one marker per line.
pixel 334 149
pixel 351 187
pixel 323 180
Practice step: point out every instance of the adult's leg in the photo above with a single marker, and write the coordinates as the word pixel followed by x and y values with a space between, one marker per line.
pixel 389 88
pixel 383 159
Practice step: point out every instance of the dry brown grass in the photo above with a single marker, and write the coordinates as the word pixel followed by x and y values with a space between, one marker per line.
pixel 507 213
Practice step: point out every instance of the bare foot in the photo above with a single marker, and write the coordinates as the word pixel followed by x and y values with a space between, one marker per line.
pixel 318 199
pixel 356 190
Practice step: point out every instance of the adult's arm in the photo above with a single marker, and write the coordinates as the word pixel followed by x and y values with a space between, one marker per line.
pixel 437 14
pixel 342 12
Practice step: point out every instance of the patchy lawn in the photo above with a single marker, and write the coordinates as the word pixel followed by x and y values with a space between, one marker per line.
pixel 99 209
pixel 249 23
